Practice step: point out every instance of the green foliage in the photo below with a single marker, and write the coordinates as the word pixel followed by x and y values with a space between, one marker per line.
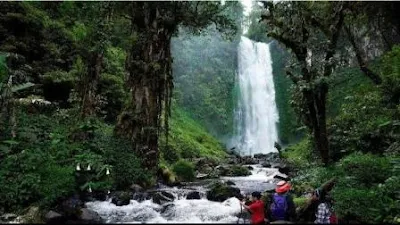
pixel 188 139
pixel 300 154
pixel 184 170
pixel 391 76
pixel 39 165
pixel 204 78
pixel 367 169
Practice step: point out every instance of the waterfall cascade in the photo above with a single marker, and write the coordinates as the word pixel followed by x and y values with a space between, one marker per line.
pixel 256 115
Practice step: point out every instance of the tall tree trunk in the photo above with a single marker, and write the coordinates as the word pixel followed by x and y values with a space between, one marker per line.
pixel 150 81
pixel 316 105
pixel 90 83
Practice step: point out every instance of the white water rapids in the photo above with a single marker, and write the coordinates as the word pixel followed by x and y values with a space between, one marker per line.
pixel 256 115
pixel 182 210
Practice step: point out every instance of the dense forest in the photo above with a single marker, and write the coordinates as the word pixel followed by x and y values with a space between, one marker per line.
pixel 98 96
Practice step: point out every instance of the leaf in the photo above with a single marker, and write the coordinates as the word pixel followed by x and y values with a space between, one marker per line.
pixel 11 142
pixel 22 86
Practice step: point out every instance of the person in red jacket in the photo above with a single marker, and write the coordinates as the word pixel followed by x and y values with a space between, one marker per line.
pixel 256 208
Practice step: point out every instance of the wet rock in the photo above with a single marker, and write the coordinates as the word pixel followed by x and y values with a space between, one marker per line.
pixel 141 196
pixel 136 188
pixel 230 183
pixel 266 165
pixel 89 216
pixel 282 177
pixel 201 176
pixel 165 210
pixel 233 170
pixel 121 198
pixel 193 195
pixel 70 207
pixel 249 167
pixel 260 156
pixel 162 197
pixel 221 191
pixel 249 160
pixel 99 195
pixel 53 217
pixel 33 215
pixel 8 217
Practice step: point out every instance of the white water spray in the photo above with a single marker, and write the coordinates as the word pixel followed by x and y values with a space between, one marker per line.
pixel 257 115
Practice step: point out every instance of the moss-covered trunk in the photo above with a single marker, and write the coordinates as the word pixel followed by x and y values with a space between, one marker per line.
pixel 90 83
pixel 150 82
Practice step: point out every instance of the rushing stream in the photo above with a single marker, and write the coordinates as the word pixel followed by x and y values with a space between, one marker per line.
pixel 182 210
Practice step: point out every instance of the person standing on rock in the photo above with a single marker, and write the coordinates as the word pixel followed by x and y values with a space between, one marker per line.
pixel 282 207
pixel 256 208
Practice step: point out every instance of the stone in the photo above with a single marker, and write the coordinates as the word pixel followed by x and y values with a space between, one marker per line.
pixel 201 176
pixel 162 197
pixel 266 165
pixel 229 182
pixel 70 207
pixel 121 198
pixel 136 188
pixel 53 217
pixel 282 177
pixel 89 216
pixel 193 195
pixel 33 215
pixel 221 191
pixel 8 217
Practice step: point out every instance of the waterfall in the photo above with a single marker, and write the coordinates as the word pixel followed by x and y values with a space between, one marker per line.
pixel 256 115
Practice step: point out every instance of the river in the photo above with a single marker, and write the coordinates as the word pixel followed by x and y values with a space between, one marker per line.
pixel 182 210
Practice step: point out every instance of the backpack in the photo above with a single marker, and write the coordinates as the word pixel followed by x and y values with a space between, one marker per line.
pixel 279 207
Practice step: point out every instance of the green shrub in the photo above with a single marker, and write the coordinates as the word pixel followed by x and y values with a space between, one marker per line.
pixel 364 205
pixel 391 76
pixel 367 168
pixel 55 182
pixel 126 166
pixel 184 170
pixel 299 154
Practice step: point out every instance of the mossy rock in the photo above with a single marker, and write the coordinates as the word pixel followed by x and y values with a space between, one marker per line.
pixel 221 191
pixel 235 170
pixel 168 177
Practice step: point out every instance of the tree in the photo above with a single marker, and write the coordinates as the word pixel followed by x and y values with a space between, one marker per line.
pixel 310 30
pixel 149 67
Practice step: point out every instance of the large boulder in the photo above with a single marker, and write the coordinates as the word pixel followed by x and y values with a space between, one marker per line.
pixel 161 197
pixel 53 217
pixel 249 160
pixel 136 188
pixel 70 207
pixel 89 216
pixel 221 191
pixel 33 215
pixel 121 198
pixel 193 195
pixel 235 170
pixel 282 167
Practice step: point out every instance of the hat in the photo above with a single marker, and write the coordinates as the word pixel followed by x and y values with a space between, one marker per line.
pixel 282 187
